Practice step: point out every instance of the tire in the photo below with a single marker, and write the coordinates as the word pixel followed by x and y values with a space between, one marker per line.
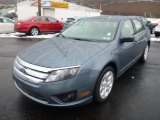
pixel 27 34
pixel 157 34
pixel 145 54
pixel 103 88
pixel 151 31
pixel 34 31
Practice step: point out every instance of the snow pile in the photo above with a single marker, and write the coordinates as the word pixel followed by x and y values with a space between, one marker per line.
pixel 22 35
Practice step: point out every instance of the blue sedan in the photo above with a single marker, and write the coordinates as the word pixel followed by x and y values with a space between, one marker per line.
pixel 81 63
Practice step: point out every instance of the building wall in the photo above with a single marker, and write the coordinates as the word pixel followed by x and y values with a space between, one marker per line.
pixel 63 14
pixel 48 12
pixel 143 8
pixel 26 11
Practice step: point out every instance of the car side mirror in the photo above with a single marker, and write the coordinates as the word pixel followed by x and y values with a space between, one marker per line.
pixel 127 39
pixel 57 21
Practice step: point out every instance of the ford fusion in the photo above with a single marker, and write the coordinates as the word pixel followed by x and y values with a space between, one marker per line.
pixel 81 63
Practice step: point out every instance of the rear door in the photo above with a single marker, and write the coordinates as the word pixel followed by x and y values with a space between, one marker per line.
pixel 42 24
pixel 140 36
pixel 126 50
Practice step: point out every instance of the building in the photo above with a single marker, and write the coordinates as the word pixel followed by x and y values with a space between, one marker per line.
pixel 58 9
pixel 147 8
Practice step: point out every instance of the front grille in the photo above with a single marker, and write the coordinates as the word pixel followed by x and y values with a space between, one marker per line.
pixel 29 74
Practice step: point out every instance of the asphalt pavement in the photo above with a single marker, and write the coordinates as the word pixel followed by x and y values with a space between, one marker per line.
pixel 135 95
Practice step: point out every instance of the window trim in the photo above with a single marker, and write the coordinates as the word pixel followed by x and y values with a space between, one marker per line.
pixel 40 18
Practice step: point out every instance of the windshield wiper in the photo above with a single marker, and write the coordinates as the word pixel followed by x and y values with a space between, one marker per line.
pixel 62 35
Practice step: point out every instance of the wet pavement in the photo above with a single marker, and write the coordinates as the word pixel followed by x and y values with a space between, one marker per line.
pixel 135 95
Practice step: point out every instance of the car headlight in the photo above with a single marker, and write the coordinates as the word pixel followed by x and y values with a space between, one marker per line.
pixel 62 74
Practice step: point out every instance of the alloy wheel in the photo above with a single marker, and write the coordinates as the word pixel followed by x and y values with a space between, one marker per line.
pixel 34 31
pixel 146 52
pixel 106 84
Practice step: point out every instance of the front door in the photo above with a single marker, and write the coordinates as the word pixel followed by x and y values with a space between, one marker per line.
pixel 54 25
pixel 126 50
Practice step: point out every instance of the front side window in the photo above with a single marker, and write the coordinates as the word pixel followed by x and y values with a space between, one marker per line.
pixel 93 29
pixel 127 29
pixel 52 20
pixel 138 26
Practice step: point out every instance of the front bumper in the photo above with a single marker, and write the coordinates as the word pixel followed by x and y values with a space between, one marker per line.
pixel 56 104
pixel 46 93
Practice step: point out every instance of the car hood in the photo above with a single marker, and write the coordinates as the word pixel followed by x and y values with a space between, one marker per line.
pixel 59 52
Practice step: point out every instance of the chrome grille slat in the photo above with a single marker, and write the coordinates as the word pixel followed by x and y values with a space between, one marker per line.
pixel 31 72
pixel 27 77
pixel 42 69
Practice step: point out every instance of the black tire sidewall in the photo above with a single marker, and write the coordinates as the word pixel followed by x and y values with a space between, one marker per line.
pixel 97 97
pixel 157 34
pixel 142 58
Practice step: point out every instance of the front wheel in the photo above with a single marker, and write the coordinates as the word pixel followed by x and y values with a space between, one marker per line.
pixel 34 31
pixel 104 84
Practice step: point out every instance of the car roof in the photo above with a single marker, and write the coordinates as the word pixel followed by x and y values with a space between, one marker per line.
pixel 35 17
pixel 115 17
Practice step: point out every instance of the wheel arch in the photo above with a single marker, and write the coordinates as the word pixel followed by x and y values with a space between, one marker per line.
pixel 109 64
pixel 113 65
pixel 34 27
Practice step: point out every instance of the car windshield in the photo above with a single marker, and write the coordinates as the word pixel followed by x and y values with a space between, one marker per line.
pixel 92 29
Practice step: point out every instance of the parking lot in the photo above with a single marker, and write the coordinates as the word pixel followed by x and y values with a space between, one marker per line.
pixel 135 96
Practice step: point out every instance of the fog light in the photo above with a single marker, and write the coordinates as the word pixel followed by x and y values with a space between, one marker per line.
pixel 67 97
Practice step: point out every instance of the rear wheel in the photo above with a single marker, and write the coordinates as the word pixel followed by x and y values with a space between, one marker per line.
pixel 104 84
pixel 34 31
pixel 145 54
pixel 157 34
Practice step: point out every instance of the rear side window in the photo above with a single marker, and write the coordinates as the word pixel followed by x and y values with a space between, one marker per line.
pixel 4 20
pixel 144 19
pixel 138 26
pixel 7 21
pixel 127 29
pixel 41 19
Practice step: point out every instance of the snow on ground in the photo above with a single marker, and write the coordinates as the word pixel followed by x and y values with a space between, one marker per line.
pixel 22 35
pixel 153 38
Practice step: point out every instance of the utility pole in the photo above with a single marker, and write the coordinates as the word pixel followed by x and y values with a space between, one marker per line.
pixel 17 4
pixel 39 7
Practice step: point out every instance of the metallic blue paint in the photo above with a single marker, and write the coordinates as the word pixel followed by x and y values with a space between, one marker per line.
pixel 59 52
